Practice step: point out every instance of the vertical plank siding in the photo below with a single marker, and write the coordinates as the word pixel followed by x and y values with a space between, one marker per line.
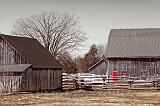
pixel 10 82
pixel 32 80
pixel 41 79
pixel 135 68
pixel 8 55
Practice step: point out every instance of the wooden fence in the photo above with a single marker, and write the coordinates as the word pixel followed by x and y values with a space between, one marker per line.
pixel 86 80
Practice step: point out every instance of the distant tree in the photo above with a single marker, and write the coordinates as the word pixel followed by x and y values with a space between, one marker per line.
pixel 90 58
pixel 100 51
pixel 79 63
pixel 67 62
pixel 58 32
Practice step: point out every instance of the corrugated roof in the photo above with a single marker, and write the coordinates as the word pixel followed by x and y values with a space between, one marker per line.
pixel 32 51
pixel 14 68
pixel 134 43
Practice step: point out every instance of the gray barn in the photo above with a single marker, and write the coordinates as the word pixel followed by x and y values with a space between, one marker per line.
pixel 134 53
pixel 25 65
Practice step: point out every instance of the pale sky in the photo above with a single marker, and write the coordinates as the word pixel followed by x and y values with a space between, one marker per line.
pixel 97 17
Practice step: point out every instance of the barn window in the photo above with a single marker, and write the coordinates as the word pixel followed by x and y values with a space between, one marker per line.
pixel 129 65
pixel 124 66
pixel 157 68
pixel 136 65
pixel 143 65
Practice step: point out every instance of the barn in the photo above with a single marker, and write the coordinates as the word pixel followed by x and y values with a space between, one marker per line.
pixel 25 65
pixel 134 53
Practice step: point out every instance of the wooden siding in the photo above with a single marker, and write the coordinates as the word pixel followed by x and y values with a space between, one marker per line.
pixel 101 69
pixel 10 81
pixel 41 79
pixel 135 68
pixel 31 80
pixel 8 55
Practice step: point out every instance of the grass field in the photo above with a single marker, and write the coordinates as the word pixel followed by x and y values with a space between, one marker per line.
pixel 108 97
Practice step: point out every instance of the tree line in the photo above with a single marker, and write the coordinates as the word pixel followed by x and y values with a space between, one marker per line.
pixel 61 34
pixel 82 63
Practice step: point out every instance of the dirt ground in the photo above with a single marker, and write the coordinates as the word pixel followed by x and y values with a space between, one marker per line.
pixel 116 97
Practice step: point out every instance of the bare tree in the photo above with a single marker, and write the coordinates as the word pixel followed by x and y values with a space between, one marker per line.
pixel 100 51
pixel 58 32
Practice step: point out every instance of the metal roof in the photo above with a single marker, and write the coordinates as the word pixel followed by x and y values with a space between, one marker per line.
pixel 14 68
pixel 133 43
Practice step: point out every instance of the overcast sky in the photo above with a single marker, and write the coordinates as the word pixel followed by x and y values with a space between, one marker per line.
pixel 97 17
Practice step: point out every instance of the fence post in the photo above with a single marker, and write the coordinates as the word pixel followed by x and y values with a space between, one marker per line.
pixel 130 82
pixel 11 85
pixel 104 81
pixel 19 84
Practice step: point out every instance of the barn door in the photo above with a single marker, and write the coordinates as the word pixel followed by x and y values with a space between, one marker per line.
pixel 144 70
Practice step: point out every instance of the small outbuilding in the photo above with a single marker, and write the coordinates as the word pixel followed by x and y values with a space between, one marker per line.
pixel 100 68
pixel 25 65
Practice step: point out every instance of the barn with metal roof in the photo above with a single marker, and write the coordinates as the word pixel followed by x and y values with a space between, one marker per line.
pixel 134 53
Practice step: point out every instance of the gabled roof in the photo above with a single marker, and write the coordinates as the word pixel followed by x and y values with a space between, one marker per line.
pixel 133 43
pixel 32 51
pixel 14 68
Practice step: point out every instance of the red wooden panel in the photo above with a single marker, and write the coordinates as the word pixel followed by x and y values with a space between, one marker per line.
pixel 115 76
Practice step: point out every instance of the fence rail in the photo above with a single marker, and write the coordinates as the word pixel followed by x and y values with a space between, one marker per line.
pixel 86 80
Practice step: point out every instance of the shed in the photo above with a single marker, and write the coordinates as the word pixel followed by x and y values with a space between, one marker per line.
pixel 100 68
pixel 25 65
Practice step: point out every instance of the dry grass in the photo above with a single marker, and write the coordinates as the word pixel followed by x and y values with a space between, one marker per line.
pixel 81 97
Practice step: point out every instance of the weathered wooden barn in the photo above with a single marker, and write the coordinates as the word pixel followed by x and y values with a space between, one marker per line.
pixel 134 53
pixel 25 65
pixel 100 68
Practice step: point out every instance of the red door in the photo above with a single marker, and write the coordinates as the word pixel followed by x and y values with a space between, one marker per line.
pixel 115 76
